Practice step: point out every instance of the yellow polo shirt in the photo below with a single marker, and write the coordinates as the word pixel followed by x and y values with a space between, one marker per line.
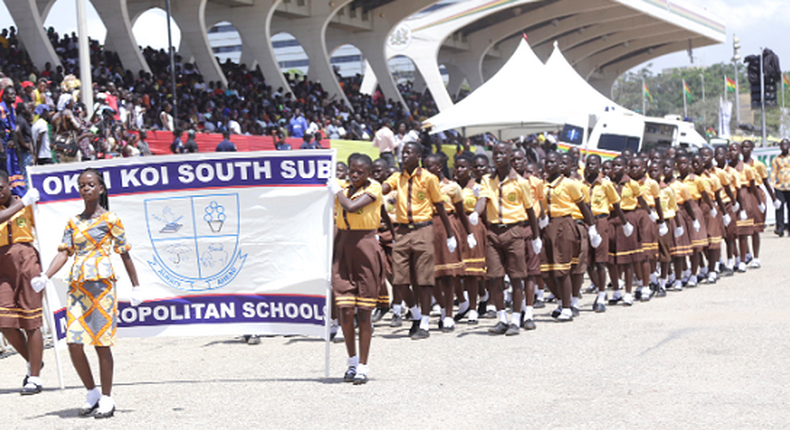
pixel 696 185
pixel 471 192
pixel 603 196
pixel 367 218
pixel 669 205
pixel 507 201
pixel 21 227
pixel 682 192
pixel 417 194
pixel 562 195
pixel 451 194
pixel 650 190
pixel 724 180
pixel 630 191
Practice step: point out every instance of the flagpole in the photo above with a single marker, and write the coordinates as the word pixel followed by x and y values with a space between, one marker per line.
pixel 685 108
pixel 725 88
pixel 644 101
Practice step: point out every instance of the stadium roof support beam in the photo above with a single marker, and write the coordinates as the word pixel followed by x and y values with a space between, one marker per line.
pixel 115 16
pixel 191 18
pixel 30 27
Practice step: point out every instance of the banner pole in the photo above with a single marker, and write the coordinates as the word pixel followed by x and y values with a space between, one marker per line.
pixel 330 228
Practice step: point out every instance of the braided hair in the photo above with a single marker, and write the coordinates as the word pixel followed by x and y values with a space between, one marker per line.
pixel 104 198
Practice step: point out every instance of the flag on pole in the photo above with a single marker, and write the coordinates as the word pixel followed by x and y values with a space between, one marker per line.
pixel 785 81
pixel 686 91
pixel 730 84
pixel 647 92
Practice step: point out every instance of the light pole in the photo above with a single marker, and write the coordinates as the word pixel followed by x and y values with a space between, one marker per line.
pixel 172 69
pixel 702 76
pixel 736 50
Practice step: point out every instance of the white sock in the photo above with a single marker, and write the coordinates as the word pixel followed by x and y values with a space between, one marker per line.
pixel 35 379
pixel 703 272
pixel 352 361
pixel 601 296
pixel 529 313
pixel 730 263
pixel 415 312
pixel 93 395
pixel 502 315
pixel 28 368
pixel 472 315
pixel 559 303
pixel 485 297
pixel 617 294
pixel 448 322
pixel 463 306
pixel 516 319
pixel 524 303
pixel 442 313
pixel 363 369
pixel 653 278
pixel 748 255
pixel 540 294
pixel 397 309
pixel 575 302
pixel 662 283
pixel 466 296
pixel 687 273
pixel 424 322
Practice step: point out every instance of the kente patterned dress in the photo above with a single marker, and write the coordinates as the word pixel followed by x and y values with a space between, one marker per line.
pixel 92 308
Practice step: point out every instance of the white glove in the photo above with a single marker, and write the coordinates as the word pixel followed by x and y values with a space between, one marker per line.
pixel 663 229
pixel 452 244
pixel 595 238
pixel 653 216
pixel 474 218
pixel 736 206
pixel 30 197
pixel 761 206
pixel 543 222
pixel 628 229
pixel 743 215
pixel 334 187
pixel 471 241
pixel 727 219
pixel 777 204
pixel 39 282
pixel 679 231
pixel 713 212
pixel 537 245
pixel 696 225
pixel 137 296
pixel 476 190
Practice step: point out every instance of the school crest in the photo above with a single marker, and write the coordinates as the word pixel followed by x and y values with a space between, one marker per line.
pixel 195 240
pixel 421 195
pixel 511 197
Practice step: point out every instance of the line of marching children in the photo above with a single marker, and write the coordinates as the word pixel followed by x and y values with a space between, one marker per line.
pixel 503 231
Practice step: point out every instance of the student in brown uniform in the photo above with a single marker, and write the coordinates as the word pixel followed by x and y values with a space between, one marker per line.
pixel 761 177
pixel 730 234
pixel 480 168
pixel 20 305
pixel 682 239
pixel 625 248
pixel 474 258
pixel 714 222
pixel 560 233
pixel 603 196
pixel 449 266
pixel 536 182
pixel 747 200
pixel 413 253
pixel 380 173
pixel 581 254
pixel 358 265
pixel 669 209
pixel 650 221
pixel 698 188
pixel 507 203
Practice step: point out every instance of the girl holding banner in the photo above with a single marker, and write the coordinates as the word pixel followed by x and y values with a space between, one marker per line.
pixel 92 306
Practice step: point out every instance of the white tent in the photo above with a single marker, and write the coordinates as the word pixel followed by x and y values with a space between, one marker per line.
pixel 525 97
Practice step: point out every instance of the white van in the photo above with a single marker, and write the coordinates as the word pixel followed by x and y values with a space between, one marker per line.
pixel 614 132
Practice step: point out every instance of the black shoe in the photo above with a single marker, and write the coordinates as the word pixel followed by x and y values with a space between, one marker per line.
pixel 460 315
pixel 638 294
pixel 575 311
pixel 499 328
pixel 415 325
pixel 556 313
pixel 599 307
pixel 529 325
pixel 253 339
pixel 779 233
pixel 420 334
pixel 30 388
pixel 441 323
pixel 108 414
pixel 85 411
pixel 539 304
pixel 448 329
pixel 727 272
pixel 661 292
pixel 24 381
pixel 378 314
pixel 350 374
pixel 613 301
pixel 512 330
pixel 482 307
pixel 472 322
pixel 396 321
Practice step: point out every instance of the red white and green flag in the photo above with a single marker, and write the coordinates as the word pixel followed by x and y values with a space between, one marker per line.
pixel 686 91
pixel 730 84
pixel 647 92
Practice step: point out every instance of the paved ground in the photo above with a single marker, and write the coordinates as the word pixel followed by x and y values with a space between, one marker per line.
pixel 712 357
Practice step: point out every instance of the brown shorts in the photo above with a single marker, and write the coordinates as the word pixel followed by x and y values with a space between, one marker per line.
pixel 357 269
pixel 581 251
pixel 731 230
pixel 746 227
pixel 559 243
pixel 475 258
pixel 533 260
pixel 622 249
pixel 601 253
pixel 505 253
pixel 20 305
pixel 666 242
pixel 412 256
pixel 447 263
pixel 699 239
pixel 682 243
pixel 713 225
pixel 385 239
pixel 648 234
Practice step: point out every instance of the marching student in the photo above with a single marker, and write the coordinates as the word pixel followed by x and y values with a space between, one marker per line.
pixel 92 306
pixel 650 221
pixel 20 305
pixel 669 209
pixel 560 234
pixel 761 177
pixel 474 259
pixel 747 200
pixel 730 214
pixel 536 182
pixel 603 196
pixel 714 222
pixel 625 248
pixel 480 168
pixel 581 254
pixel 413 253
pixel 449 265
pixel 681 236
pixel 507 202
pixel 695 225
pixel 358 265
pixel 380 173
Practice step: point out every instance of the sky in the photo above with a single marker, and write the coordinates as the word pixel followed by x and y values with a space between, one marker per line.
pixel 758 23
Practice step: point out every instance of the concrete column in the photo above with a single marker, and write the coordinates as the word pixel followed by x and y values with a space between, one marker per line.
pixel 30 28
pixel 457 79
pixel 115 16
pixel 191 18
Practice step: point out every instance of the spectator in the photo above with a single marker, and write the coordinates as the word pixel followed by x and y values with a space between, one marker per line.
pixel 297 125
pixel 43 154
pixel 307 142
pixel 385 142
pixel 280 144
pixel 142 143
pixel 191 146
pixel 226 145
pixel 177 147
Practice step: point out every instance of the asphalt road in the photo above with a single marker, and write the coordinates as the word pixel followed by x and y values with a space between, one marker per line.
pixel 716 356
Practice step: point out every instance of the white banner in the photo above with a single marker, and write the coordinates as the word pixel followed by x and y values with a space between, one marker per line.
pixel 223 243
pixel 725 116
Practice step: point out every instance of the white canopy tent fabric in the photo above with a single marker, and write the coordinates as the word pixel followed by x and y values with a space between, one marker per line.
pixel 526 97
